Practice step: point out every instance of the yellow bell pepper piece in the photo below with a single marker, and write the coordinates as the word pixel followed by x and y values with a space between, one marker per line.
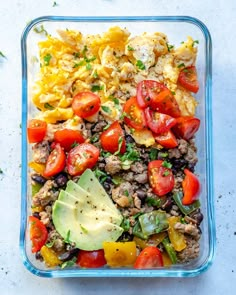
pixel 166 259
pixel 176 238
pixel 39 168
pixel 50 257
pixel 120 253
pixel 154 240
pixel 37 209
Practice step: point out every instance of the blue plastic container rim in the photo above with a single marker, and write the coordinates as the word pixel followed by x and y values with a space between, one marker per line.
pixel 209 151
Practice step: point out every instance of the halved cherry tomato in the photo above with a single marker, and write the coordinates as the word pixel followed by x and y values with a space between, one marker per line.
pixel 55 162
pixel 160 177
pixel 91 259
pixel 38 233
pixel 167 140
pixel 186 127
pixel 134 115
pixel 191 188
pixel 147 90
pixel 68 137
pixel 86 104
pixel 166 103
pixel 112 139
pixel 81 157
pixel 188 79
pixel 159 123
pixel 36 130
pixel 150 257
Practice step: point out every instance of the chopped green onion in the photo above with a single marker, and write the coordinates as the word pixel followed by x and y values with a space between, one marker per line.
pixel 140 65
pixel 47 59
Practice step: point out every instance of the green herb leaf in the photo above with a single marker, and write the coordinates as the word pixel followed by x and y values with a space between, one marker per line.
pixel 181 65
pixel 49 245
pixel 153 202
pixel 140 65
pixel 130 48
pixel 173 92
pixel 195 42
pixel 126 193
pixel 116 101
pixel 90 59
pixel 48 106
pixel 106 109
pixel 47 59
pixel 81 63
pixel 67 239
pixel 182 220
pixel 167 164
pixel 166 173
pixel 105 154
pixel 135 216
pixel 88 66
pixel 76 54
pixel 85 49
pixel 95 88
pixel 74 144
pixel 125 224
pixel 2 55
pixel 101 176
pixel 40 30
pixel 131 154
pixel 153 154
pixel 163 155
pixel 95 74
pixel 94 138
pixel 69 263
pixel 169 47
pixel 106 127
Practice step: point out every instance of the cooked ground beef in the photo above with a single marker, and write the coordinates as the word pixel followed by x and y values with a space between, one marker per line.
pixel 57 241
pixel 113 165
pixel 191 251
pixel 141 178
pixel 46 194
pixel 41 152
pixel 188 229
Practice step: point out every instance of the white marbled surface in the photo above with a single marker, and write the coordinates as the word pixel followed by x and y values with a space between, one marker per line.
pixel 219 16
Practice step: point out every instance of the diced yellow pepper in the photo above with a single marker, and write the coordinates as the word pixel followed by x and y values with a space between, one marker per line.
pixel 154 240
pixel 176 238
pixel 39 168
pixel 166 259
pixel 50 257
pixel 120 253
pixel 37 209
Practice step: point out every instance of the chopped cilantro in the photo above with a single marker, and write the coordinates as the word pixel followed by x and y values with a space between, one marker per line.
pixel 76 54
pixel 85 49
pixel 2 55
pixel 182 220
pixel 47 59
pixel 125 224
pixel 135 216
pixel 116 101
pixel 76 65
pixel 67 239
pixel 90 59
pixel 167 164
pixel 95 74
pixel 140 65
pixel 106 154
pixel 163 155
pixel 131 154
pixel 106 127
pixel 181 65
pixel 153 202
pixel 48 106
pixel 69 263
pixel 74 144
pixel 94 138
pixel 173 92
pixel 130 48
pixel 126 193
pixel 169 47
pixel 88 66
pixel 49 245
pixel 95 88
pixel 195 42
pixel 106 109
pixel 166 173
pixel 101 176
pixel 153 154
pixel 40 30
pixel 123 115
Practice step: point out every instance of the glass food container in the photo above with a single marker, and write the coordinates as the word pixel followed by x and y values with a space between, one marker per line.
pixel 177 28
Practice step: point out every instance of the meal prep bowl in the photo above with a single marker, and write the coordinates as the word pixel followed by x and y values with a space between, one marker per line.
pixel 177 28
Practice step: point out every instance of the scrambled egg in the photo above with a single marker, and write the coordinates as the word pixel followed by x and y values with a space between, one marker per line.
pixel 114 62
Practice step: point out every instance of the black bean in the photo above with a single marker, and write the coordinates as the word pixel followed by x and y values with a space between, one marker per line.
pixel 125 237
pixel 68 255
pixel 178 163
pixel 129 138
pixel 38 256
pixel 141 194
pixel 38 178
pixel 109 179
pixel 167 205
pixel 198 216
pixel 191 167
pixel 106 186
pixel 36 215
pixel 61 179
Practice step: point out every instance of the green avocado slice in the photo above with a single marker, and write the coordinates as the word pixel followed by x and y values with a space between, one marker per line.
pixel 83 229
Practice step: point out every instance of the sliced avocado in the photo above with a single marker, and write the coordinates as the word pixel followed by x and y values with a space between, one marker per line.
pixel 90 183
pixel 85 229
pixel 67 198
pixel 95 198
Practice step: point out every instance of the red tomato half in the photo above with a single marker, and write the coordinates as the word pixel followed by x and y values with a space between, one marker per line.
pixel 38 233
pixel 157 122
pixel 91 259
pixel 150 257
pixel 186 127
pixel 161 178
pixel 148 90
pixel 134 117
pixel 167 140
pixel 113 138
pixel 68 137
pixel 166 103
pixel 81 157
pixel 36 130
pixel 191 188
pixel 86 104
pixel 55 162
pixel 188 79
